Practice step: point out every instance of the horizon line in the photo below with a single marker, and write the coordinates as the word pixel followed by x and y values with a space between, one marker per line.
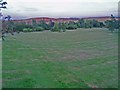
pixel 66 17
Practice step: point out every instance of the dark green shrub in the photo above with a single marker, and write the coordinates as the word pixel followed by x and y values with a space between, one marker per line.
pixel 72 27
pixel 39 29
pixel 27 30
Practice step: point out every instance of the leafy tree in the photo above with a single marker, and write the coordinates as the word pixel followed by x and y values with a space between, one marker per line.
pixel 44 25
pixel 101 24
pixel 88 24
pixel 20 26
pixel 51 24
pixel 111 24
pixel 118 26
pixel 64 27
pixel 2 6
pixel 9 25
pixel 96 23
pixel 111 27
pixel 56 27
pixel 71 25
pixel 34 24
pixel 81 23
pixel 107 23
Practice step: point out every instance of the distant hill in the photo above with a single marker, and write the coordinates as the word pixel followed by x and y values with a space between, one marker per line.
pixel 101 19
pixel 47 19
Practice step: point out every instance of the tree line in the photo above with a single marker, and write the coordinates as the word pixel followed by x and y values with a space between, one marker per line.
pixel 60 26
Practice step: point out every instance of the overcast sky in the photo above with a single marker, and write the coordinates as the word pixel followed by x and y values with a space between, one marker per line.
pixel 60 8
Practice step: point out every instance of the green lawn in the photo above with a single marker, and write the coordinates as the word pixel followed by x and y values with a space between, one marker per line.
pixel 85 58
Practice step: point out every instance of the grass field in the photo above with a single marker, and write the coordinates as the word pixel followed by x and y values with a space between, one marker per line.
pixel 85 58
